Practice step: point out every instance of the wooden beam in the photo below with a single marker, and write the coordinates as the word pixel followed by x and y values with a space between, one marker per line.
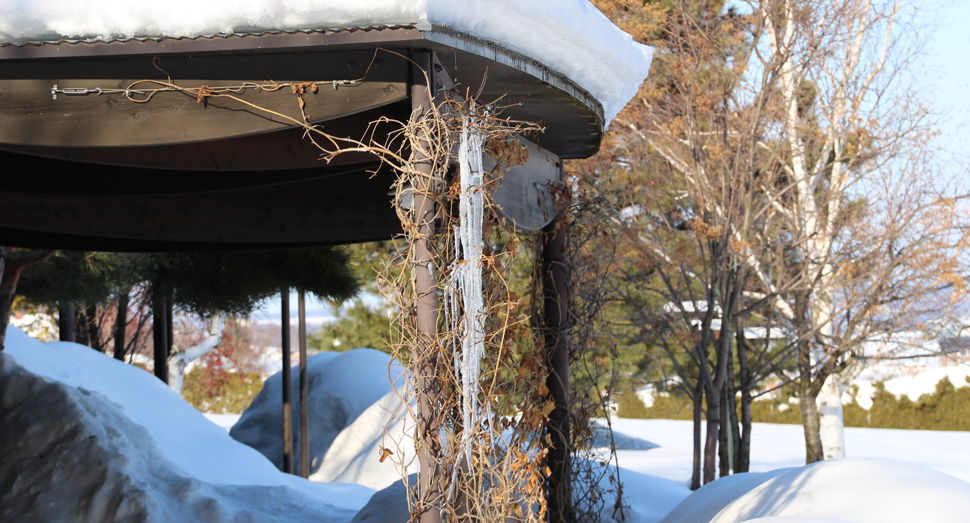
pixel 343 208
pixel 276 151
pixel 32 117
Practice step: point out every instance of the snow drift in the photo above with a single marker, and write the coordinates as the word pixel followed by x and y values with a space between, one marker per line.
pixel 354 455
pixel 87 438
pixel 571 37
pixel 848 490
pixel 342 386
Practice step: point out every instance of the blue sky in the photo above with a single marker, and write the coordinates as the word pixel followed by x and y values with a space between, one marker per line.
pixel 946 76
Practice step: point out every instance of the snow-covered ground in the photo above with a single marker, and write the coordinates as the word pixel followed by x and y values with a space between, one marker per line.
pixel 75 422
pixel 776 446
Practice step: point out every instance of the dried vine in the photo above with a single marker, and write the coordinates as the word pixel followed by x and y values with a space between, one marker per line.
pixel 487 440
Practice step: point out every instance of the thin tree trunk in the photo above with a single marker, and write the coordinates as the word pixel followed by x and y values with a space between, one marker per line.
pixel 93 328
pixel 713 432
pixel 11 264
pixel 806 394
pixel 734 436
pixel 723 446
pixel 67 322
pixel 695 477
pixel 181 359
pixel 8 288
pixel 744 443
pixel 121 324
pixel 813 440
pixel 81 330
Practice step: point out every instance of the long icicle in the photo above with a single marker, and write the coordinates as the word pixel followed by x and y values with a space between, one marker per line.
pixel 469 274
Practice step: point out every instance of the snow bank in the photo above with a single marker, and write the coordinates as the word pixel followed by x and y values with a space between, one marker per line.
pixel 571 36
pixel 647 498
pixel 388 505
pixel 341 387
pixel 354 455
pixel 200 450
pixel 72 454
pixel 852 490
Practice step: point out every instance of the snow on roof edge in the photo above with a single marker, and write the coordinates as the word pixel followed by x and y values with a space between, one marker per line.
pixel 571 37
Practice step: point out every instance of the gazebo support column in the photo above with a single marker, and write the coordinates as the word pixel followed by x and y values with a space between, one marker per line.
pixel 67 317
pixel 556 316
pixel 287 380
pixel 160 330
pixel 304 403
pixel 426 291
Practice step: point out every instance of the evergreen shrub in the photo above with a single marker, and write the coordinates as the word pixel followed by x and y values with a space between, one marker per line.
pixel 947 408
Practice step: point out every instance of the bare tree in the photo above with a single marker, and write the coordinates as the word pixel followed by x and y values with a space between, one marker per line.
pixel 692 168
pixel 870 237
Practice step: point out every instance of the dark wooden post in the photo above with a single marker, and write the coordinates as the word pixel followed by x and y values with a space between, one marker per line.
pixel 121 322
pixel 67 322
pixel 426 290
pixel 160 333
pixel 556 317
pixel 169 328
pixel 287 381
pixel 304 406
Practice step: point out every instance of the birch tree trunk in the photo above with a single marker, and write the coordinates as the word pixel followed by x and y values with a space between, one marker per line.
pixel 178 362
pixel 830 417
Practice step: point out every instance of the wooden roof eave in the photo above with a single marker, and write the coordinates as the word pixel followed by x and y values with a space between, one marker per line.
pixel 531 91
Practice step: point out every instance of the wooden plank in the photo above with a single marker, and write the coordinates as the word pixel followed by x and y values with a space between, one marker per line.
pixel 277 150
pixel 339 209
pixel 32 117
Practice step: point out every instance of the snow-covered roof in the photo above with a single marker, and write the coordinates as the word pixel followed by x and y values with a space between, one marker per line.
pixel 569 36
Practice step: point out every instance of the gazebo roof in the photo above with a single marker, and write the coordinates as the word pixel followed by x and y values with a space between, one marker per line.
pixel 174 174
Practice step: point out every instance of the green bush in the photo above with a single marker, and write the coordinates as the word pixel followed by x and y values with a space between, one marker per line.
pixel 947 408
pixel 674 406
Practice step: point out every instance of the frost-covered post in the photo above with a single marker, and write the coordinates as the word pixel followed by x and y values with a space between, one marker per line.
pixel 426 291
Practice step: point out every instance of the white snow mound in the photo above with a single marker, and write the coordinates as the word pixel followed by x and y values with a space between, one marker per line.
pixel 341 387
pixel 71 454
pixel 568 36
pixel 848 490
pixel 354 455
pixel 198 449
